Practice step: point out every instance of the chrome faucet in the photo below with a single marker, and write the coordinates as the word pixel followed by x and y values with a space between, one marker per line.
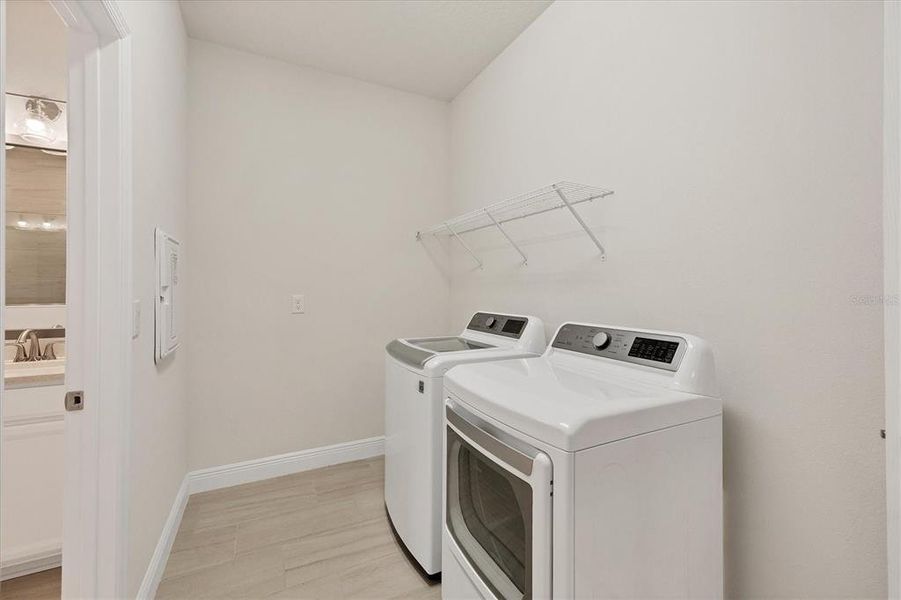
pixel 50 351
pixel 20 351
pixel 34 348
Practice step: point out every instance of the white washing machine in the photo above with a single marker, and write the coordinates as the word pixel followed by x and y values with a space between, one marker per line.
pixel 414 405
pixel 593 471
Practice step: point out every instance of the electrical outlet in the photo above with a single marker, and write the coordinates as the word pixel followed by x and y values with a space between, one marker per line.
pixel 135 319
pixel 298 304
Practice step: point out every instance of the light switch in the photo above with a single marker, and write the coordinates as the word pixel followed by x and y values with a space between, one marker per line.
pixel 297 304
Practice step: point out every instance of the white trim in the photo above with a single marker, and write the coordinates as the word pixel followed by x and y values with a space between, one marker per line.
pixel 891 173
pixel 259 469
pixel 2 203
pixel 97 17
pixel 79 534
pixel 157 566
pixel 110 326
pixel 112 20
pixel 95 550
pixel 32 430
pixel 33 419
pixel 32 560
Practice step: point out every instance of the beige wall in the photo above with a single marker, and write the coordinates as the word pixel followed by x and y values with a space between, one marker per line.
pixel 35 259
pixel 158 440
pixel 36 50
pixel 303 182
pixel 744 144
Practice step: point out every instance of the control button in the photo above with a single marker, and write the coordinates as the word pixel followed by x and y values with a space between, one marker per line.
pixel 601 340
pixel 490 321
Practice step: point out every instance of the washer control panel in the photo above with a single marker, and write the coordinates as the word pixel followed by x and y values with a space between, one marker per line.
pixel 505 325
pixel 648 349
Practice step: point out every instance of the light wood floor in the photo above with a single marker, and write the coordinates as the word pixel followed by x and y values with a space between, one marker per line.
pixel 320 534
pixel 45 585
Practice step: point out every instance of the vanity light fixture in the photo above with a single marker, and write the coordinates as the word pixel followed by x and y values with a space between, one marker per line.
pixel 35 222
pixel 36 126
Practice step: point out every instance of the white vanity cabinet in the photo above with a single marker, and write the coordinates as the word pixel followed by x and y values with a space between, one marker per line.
pixel 31 491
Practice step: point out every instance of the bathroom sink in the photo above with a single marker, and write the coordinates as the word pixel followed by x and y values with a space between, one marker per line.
pixel 35 368
pixel 34 374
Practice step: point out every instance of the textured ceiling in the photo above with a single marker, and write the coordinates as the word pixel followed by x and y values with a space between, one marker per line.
pixel 434 48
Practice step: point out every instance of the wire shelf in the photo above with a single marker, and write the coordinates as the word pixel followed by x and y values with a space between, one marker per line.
pixel 562 195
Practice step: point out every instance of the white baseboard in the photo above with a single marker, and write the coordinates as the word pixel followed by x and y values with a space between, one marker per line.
pixel 31 560
pixel 157 566
pixel 248 471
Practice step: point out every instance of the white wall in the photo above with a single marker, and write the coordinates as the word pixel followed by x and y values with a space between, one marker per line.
pixel 36 45
pixel 744 144
pixel 35 316
pixel 158 459
pixel 303 182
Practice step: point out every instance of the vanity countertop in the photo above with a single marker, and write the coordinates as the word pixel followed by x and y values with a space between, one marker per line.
pixel 34 374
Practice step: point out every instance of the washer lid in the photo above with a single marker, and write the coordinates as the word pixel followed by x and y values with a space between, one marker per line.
pixel 417 352
pixel 573 408
pixel 447 344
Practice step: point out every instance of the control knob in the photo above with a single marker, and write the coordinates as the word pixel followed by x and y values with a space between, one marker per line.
pixel 489 322
pixel 601 340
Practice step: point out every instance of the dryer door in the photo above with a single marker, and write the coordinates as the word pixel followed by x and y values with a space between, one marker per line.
pixel 499 506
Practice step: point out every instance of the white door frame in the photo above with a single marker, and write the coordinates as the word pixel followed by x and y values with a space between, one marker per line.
pixel 891 189
pixel 98 290
pixel 2 206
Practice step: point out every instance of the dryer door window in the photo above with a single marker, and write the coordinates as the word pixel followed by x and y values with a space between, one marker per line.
pixel 497 489
pixel 495 508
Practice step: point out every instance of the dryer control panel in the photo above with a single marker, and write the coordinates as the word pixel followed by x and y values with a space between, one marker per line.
pixel 505 325
pixel 648 349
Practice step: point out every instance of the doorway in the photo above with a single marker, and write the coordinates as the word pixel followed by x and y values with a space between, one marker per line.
pixel 95 294
pixel 32 471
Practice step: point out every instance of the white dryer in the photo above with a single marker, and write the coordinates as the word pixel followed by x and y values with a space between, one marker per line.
pixel 593 471
pixel 414 405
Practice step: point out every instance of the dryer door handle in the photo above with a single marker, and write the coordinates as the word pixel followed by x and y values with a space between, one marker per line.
pixel 509 451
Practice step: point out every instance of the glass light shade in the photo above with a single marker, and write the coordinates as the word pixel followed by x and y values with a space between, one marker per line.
pixel 35 129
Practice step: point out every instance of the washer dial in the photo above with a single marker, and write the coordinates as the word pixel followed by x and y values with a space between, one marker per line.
pixel 601 340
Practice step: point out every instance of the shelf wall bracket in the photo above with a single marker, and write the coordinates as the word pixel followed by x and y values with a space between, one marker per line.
pixel 419 235
pixel 525 259
pixel 578 218
pixel 462 243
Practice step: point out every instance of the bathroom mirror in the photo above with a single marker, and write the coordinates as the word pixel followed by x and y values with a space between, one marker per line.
pixel 35 226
